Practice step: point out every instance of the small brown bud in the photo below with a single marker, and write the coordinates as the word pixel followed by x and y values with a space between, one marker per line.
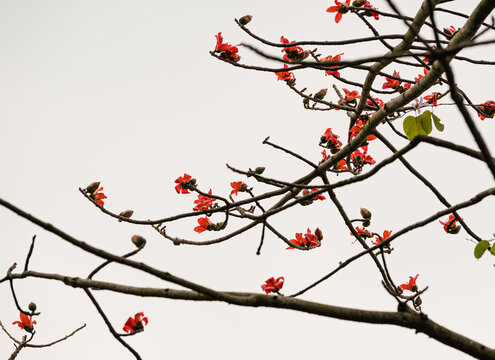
pixel 91 188
pixel 138 240
pixel 259 170
pixel 365 213
pixel 32 306
pixel 418 301
pixel 126 213
pixel 319 234
pixel 358 3
pixel 246 19
pixel 320 94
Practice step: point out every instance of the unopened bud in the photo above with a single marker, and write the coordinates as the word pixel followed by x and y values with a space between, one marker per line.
pixel 448 32
pixel 138 240
pixel 91 188
pixel 259 170
pixel 365 213
pixel 246 19
pixel 358 3
pixel 32 306
pixel 320 94
pixel 319 234
pixel 305 54
pixel 305 101
pixel 126 213
pixel 418 301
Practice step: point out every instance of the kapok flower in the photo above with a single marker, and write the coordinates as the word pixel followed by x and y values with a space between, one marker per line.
pixel 203 202
pixel 273 285
pixel 360 158
pixel 316 197
pixel 363 232
pixel 330 59
pixel 293 53
pixel 285 75
pixel 450 226
pixel 308 240
pixel 204 224
pixel 340 9
pixel 98 196
pixel 238 186
pixel 226 51
pixel 432 99
pixel 183 183
pixel 358 126
pixel 330 141
pixel 26 322
pixel 419 77
pixel 325 156
pixel 391 83
pixel 450 31
pixel 411 285
pixel 136 324
pixel 386 235
pixel 351 97
pixel 369 12
pixel 341 165
pixel 377 100
pixel 486 110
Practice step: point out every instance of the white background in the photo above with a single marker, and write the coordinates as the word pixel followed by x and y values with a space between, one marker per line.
pixel 126 93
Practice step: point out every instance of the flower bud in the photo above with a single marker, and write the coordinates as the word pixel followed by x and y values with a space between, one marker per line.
pixel 418 301
pixel 91 188
pixel 259 170
pixel 366 223
pixel 32 306
pixel 246 19
pixel 138 240
pixel 306 102
pixel 365 213
pixel 126 213
pixel 448 32
pixel 319 234
pixel 358 3
pixel 320 94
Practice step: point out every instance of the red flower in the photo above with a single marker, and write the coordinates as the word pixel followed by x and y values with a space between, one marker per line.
pixel 316 197
pixel 351 96
pixel 375 15
pixel 330 141
pixel 363 232
pixel 340 9
pixel 325 156
pixel 356 129
pixel 386 235
pixel 330 59
pixel 285 75
pixel 391 83
pixel 419 77
pixel 272 285
pixel 450 31
pixel 308 240
pixel 98 196
pixel 411 286
pixel 238 186
pixel 450 226
pixel 486 110
pixel 204 224
pixel 135 324
pixel 26 322
pixel 292 53
pixel 428 60
pixel 377 100
pixel 226 51
pixel 432 99
pixel 360 158
pixel 341 165
pixel 203 202
pixel 182 184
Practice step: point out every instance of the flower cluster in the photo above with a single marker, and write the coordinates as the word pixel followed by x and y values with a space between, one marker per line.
pixel 411 285
pixel 377 100
pixel 203 202
pixel 450 226
pixel 286 76
pixel 486 110
pixel 358 126
pixel 135 324
pixel 293 53
pixel 359 159
pixel 307 240
pixel 26 322
pixel 226 51
pixel 432 99
pixel 273 285
pixel 340 8
pixel 330 141
pixel 395 84
pixel 332 59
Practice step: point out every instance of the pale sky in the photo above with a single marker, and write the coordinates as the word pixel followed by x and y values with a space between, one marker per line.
pixel 126 93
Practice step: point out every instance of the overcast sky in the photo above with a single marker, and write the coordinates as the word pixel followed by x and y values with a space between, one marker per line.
pixel 126 93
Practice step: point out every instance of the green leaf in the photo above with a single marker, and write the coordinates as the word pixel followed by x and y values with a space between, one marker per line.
pixel 437 122
pixel 492 250
pixel 426 122
pixel 480 248
pixel 409 127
